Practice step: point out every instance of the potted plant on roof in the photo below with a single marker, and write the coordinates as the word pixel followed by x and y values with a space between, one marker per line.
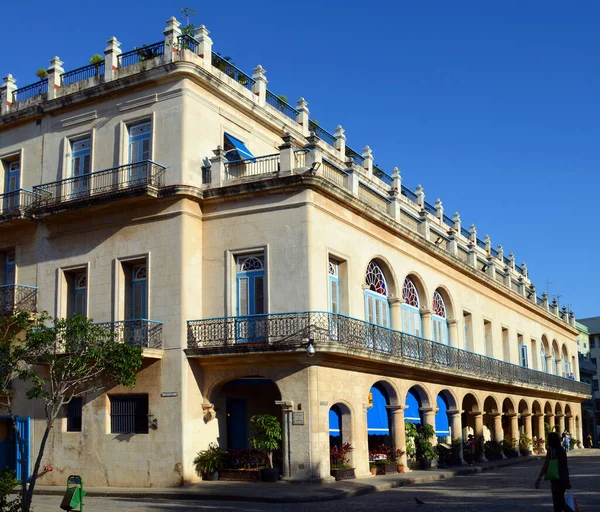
pixel 340 462
pixel 266 436
pixel 96 60
pixel 208 462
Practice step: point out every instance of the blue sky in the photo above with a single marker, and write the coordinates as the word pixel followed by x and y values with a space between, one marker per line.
pixel 491 106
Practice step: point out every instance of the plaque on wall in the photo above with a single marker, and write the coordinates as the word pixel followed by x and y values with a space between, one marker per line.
pixel 298 418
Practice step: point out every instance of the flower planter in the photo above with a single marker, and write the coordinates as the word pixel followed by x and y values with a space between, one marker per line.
pixel 386 469
pixel 240 475
pixel 211 477
pixel 343 474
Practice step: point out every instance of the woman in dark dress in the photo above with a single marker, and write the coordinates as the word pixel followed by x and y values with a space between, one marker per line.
pixel 556 451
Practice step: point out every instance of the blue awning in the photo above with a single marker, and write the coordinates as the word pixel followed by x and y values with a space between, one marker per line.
pixel 377 416
pixel 243 152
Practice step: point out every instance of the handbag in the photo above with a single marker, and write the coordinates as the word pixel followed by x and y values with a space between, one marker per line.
pixel 570 502
pixel 552 469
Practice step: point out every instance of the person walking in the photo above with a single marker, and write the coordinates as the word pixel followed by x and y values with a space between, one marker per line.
pixel 560 481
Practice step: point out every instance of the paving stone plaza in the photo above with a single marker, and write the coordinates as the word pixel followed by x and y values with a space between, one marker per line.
pixel 505 488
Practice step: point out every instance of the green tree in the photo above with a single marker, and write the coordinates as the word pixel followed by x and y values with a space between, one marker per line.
pixel 188 29
pixel 57 360
pixel 266 434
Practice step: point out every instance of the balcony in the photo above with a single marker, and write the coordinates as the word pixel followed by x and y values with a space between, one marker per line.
pixel 139 333
pixel 338 333
pixel 16 204
pixel 17 297
pixel 129 180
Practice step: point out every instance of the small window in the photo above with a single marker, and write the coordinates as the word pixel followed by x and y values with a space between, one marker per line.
pixel 74 413
pixel 235 149
pixel 76 281
pixel 524 356
pixel 334 286
pixel 596 385
pixel 129 414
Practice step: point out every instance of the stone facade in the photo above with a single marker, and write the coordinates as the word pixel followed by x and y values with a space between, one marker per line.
pixel 189 216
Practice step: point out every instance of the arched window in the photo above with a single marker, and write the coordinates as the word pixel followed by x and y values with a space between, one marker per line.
pixel 554 363
pixel 439 321
pixel 250 279
pixel 543 359
pixel 376 303
pixel 411 317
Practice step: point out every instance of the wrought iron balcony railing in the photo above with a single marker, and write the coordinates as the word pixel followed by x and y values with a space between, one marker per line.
pixel 15 203
pixel 284 331
pixel 17 297
pixel 139 333
pixel 117 181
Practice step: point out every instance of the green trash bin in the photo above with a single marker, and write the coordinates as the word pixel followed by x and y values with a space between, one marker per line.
pixel 73 498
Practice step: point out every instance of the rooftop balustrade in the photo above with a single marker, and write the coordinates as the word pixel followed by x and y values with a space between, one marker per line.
pixel 17 297
pixel 83 73
pixel 141 54
pixel 258 166
pixel 115 182
pixel 30 91
pixel 281 105
pixel 231 71
pixel 330 332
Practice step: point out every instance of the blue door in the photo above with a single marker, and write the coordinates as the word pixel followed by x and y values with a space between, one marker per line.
pixel 250 281
pixel 237 432
pixel 378 315
pixel 81 165
pixel 139 306
pixel 23 448
pixel 13 182
pixel 139 152
pixel 79 295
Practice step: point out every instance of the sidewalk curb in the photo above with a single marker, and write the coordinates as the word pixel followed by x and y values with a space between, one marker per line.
pixel 329 494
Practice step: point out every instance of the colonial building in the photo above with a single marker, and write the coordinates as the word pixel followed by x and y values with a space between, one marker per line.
pixel 264 266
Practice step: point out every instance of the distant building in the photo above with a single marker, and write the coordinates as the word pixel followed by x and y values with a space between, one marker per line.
pixel 590 371
pixel 265 267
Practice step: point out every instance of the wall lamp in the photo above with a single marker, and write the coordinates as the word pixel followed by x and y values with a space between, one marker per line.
pixel 484 267
pixel 314 167
pixel 310 348
pixel 439 240
pixel 152 422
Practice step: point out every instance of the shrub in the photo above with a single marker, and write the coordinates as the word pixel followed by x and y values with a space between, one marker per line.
pixel 509 445
pixel 423 447
pixel 525 443
pixel 339 456
pixel 266 434
pixel 8 482
pixel 210 460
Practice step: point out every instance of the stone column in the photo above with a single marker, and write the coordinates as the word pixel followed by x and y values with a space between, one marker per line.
pixel 55 72
pixel 287 408
pixel 428 414
pixel 453 332
pixel 368 161
pixel 111 59
pixel 456 430
pixel 205 44
pixel 352 178
pixel 6 91
pixel 526 416
pixel 498 435
pixel 571 426
pixel 394 205
pixel 171 33
pixel 217 168
pixel 302 116
pixel 541 432
pixel 259 87
pixel 397 414
pixel 395 313
pixel 426 323
pixel 514 429
pixel 286 155
pixel 478 417
pixel 340 142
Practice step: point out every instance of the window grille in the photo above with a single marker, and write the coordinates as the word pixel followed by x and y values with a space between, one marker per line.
pixel 74 413
pixel 129 414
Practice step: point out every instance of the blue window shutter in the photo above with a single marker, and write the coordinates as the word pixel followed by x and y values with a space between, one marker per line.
pixel 23 448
